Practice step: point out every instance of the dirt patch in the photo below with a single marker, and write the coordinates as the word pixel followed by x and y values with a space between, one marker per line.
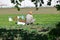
pixel 46 10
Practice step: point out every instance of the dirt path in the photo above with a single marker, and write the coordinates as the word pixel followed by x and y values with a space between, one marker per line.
pixel 25 10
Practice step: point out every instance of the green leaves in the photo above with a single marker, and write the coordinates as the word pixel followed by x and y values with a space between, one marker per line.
pixel 36 3
pixel 17 7
pixel 32 0
pixel 21 0
pixel 49 2
pixel 42 1
pixel 12 1
pixel 58 7
pixel 17 2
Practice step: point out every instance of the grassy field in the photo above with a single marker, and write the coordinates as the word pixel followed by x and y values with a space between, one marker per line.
pixel 40 19
pixel 43 21
pixel 44 16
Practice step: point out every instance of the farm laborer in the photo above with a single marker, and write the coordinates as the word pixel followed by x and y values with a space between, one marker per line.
pixel 29 18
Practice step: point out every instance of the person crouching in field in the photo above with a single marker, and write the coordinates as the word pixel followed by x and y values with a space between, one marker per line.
pixel 29 18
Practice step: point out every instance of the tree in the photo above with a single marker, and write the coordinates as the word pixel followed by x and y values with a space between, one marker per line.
pixel 49 2
pixel 58 6
pixel 17 2
pixel 36 3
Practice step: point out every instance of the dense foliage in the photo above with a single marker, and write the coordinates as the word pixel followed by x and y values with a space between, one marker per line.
pixel 17 3
pixel 57 7
pixel 23 34
pixel 56 31
pixel 35 2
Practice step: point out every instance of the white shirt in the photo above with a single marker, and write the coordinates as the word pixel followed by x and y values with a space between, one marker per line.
pixel 29 18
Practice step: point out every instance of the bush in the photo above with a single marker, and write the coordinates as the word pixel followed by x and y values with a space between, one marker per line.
pixel 58 7
pixel 55 32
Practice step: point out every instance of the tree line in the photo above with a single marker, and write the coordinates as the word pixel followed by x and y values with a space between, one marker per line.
pixel 18 2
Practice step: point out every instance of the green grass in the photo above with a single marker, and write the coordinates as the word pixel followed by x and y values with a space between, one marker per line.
pixel 4 19
pixel 45 21
pixel 47 18
pixel 40 18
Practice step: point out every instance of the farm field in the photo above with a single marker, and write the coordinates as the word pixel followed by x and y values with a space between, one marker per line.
pixel 40 18
pixel 44 16
pixel 42 21
pixel 45 20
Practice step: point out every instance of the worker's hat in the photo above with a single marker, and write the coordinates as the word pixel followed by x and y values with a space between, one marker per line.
pixel 30 12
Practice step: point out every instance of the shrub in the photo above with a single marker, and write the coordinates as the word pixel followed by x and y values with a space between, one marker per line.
pixel 58 7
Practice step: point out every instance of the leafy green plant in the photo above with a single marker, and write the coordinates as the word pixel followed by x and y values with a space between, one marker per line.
pixel 17 3
pixel 58 7
pixel 36 3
